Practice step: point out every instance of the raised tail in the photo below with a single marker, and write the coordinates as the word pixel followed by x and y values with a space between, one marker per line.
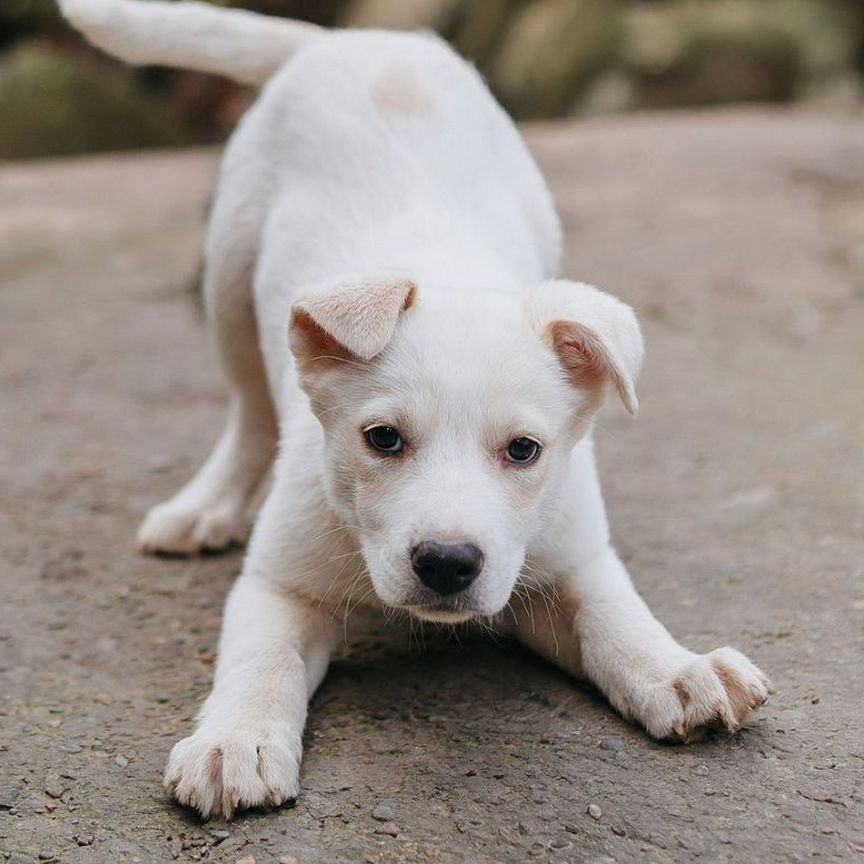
pixel 238 44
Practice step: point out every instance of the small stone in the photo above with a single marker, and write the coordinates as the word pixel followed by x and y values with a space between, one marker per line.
pixel 387 828
pixel 47 855
pixel 9 795
pixel 288 859
pixel 84 839
pixel 70 748
pixel 55 787
pixel 121 761
pixel 594 811
pixel 618 831
pixel 383 813
pixel 161 697
pixel 471 772
pixel 220 836
pixel 246 859
pixel 616 745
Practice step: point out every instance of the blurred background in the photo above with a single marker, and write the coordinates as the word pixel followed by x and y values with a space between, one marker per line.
pixel 543 59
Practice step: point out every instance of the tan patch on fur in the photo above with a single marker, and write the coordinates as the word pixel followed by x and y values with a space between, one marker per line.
pixel 683 693
pixel 400 91
pixel 741 701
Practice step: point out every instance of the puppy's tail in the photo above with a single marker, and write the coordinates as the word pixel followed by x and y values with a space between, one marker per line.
pixel 241 45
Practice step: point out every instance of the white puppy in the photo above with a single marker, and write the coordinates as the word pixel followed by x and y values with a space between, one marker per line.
pixel 378 213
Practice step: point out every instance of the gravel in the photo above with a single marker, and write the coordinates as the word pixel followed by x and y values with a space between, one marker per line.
pixel 382 812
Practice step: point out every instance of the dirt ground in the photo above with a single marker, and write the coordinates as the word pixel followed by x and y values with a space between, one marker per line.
pixel 737 499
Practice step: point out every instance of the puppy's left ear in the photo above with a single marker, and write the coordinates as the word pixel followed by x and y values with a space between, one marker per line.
pixel 595 337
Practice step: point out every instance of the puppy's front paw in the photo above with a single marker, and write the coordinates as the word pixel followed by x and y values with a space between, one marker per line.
pixel 218 773
pixel 716 690
pixel 172 528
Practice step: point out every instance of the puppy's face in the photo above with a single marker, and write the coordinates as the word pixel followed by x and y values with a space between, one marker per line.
pixel 449 422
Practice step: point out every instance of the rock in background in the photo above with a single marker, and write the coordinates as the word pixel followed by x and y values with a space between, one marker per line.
pixel 51 103
pixel 693 52
pixel 542 58
pixel 551 51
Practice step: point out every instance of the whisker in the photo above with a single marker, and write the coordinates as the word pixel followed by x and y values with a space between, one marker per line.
pixel 344 360
pixel 339 573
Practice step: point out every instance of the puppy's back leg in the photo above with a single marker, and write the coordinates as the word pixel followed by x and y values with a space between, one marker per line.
pixel 212 510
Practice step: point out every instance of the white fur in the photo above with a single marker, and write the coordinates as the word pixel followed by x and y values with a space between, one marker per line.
pixel 234 43
pixel 378 188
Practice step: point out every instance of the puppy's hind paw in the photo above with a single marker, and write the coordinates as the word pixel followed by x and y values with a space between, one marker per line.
pixel 172 528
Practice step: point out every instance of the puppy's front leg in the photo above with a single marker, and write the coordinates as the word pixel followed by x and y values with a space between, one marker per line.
pixel 598 626
pixel 247 748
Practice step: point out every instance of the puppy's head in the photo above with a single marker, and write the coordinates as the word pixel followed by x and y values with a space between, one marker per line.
pixel 449 420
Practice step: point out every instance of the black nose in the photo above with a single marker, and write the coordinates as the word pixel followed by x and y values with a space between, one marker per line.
pixel 446 568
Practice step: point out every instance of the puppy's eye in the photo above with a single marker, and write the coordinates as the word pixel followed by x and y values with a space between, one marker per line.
pixel 522 451
pixel 384 439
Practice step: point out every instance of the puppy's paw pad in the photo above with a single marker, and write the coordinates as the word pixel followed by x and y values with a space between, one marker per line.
pixel 220 774
pixel 716 690
pixel 172 529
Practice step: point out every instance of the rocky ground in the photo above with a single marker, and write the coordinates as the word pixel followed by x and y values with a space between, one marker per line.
pixel 737 499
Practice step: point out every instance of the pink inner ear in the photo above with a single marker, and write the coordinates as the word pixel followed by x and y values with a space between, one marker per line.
pixel 360 316
pixel 582 354
pixel 313 347
pixel 587 361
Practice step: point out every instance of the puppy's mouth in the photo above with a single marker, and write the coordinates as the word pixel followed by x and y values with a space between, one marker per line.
pixel 441 614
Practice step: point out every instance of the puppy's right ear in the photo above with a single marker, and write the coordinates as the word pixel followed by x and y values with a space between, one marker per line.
pixel 355 320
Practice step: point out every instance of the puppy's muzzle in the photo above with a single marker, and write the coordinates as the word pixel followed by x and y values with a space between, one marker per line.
pixel 446 568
